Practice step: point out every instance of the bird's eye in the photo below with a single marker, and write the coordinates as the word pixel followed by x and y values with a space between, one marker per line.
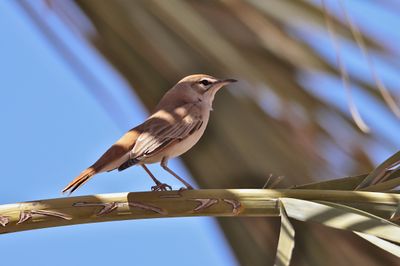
pixel 205 82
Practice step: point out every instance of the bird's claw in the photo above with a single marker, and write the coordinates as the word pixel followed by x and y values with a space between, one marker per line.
pixel 161 187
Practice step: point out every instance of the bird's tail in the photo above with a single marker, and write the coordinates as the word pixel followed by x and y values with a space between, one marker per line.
pixel 80 180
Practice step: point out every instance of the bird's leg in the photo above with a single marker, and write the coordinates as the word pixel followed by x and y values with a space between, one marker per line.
pixel 165 167
pixel 159 186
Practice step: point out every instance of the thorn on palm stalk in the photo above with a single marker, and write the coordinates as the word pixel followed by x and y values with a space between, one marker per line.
pixel 204 204
pixel 4 220
pixel 109 207
pixel 106 207
pixel 27 215
pixel 272 181
pixel 148 207
pixel 236 205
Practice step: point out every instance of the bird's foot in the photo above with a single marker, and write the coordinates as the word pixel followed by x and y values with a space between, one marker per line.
pixel 161 187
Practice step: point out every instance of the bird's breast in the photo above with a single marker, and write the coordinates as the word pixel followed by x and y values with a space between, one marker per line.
pixel 186 144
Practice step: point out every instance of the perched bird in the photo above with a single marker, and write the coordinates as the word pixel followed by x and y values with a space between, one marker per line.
pixel 177 123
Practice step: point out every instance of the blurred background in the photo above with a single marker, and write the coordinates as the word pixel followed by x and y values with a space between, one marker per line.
pixel 75 75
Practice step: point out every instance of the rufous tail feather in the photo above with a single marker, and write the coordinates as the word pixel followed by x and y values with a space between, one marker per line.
pixel 80 180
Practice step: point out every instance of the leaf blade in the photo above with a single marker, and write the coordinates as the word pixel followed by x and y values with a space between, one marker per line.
pixel 286 239
pixel 378 174
pixel 341 217
pixel 344 183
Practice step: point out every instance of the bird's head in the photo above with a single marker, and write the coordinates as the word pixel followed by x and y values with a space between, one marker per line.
pixel 202 87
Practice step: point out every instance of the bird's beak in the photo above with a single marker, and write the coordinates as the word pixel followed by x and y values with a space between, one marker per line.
pixel 224 82
pixel 217 85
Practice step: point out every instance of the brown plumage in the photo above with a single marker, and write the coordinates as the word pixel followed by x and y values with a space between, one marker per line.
pixel 174 127
pixel 80 179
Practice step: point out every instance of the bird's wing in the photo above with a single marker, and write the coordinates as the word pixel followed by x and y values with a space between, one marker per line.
pixel 159 132
pixel 120 148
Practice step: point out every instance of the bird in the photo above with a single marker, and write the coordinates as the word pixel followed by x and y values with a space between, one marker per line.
pixel 175 126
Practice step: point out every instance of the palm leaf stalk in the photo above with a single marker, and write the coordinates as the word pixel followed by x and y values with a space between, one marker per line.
pixel 205 202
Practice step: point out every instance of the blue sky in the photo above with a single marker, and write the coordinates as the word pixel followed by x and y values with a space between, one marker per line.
pixel 52 128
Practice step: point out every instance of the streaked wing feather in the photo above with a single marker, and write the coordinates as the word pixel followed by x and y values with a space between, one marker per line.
pixel 163 134
pixel 175 135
